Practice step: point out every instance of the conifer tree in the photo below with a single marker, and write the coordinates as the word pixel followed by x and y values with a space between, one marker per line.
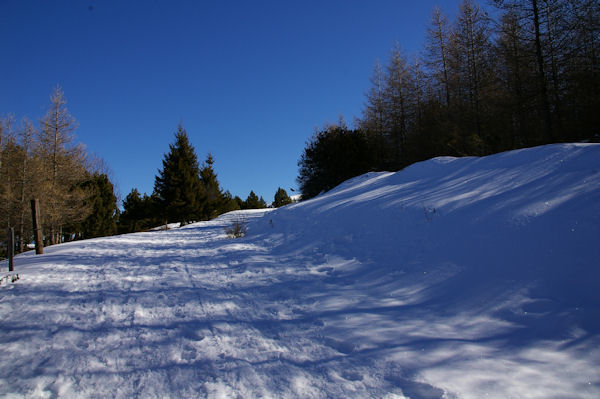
pixel 210 185
pixel 240 202
pixel 128 219
pixel 63 168
pixel 229 203
pixel 139 212
pixel 254 202
pixel 178 187
pixel 281 198
pixel 102 221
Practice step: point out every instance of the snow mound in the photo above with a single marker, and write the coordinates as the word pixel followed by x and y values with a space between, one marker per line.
pixel 453 278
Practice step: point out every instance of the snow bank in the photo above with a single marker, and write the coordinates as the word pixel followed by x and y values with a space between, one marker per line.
pixel 454 278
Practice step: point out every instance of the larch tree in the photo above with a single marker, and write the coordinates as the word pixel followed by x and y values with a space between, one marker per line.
pixel 471 42
pixel 437 53
pixel 64 166
pixel 6 138
pixel 374 115
pixel 398 101
pixel 27 179
pixel 529 13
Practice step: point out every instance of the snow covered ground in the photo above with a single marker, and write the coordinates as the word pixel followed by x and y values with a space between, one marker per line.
pixel 454 278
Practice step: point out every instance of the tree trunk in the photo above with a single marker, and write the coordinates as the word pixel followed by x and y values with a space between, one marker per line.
pixel 37 230
pixel 541 74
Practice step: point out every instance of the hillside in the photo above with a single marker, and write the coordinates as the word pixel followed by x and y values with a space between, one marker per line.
pixel 453 278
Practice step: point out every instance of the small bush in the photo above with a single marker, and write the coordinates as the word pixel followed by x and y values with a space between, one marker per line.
pixel 237 229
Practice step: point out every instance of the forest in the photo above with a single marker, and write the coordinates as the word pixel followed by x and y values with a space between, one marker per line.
pixel 73 188
pixel 528 75
pixel 76 197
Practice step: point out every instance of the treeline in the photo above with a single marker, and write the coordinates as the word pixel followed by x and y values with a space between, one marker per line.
pixel 530 76
pixel 76 197
pixel 185 192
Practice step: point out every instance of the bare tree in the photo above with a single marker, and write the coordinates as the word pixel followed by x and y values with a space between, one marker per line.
pixel 470 52
pixel 64 167
pixel 437 52
pixel 27 179
pixel 398 103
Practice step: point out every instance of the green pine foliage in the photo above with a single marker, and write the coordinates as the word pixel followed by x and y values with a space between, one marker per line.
pixel 240 202
pixel 183 192
pixel 281 198
pixel 102 221
pixel 214 199
pixel 254 202
pixel 139 213
pixel 178 187
pixel 230 203
pixel 334 155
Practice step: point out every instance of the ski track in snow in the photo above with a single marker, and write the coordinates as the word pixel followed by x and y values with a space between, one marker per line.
pixel 454 278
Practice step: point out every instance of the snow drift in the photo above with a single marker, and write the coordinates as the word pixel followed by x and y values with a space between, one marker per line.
pixel 453 278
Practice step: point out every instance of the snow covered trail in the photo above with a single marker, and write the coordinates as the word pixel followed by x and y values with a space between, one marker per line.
pixel 454 278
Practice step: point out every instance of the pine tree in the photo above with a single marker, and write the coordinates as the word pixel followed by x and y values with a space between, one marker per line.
pixel 178 186
pixel 102 221
pixel 254 202
pixel 281 198
pixel 332 156
pixel 212 191
pixel 229 203
pixel 129 218
pixel 139 213
pixel 240 202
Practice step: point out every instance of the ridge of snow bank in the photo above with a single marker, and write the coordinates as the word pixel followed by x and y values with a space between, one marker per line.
pixel 453 278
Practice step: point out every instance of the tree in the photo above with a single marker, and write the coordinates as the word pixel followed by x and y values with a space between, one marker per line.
pixel 230 203
pixel 581 63
pixel 471 41
pixel 64 167
pixel 7 145
pixel 437 48
pixel 529 12
pixel 254 202
pixel 131 215
pixel 398 107
pixel 27 178
pixel 239 202
pixel 178 187
pixel 139 213
pixel 210 185
pixel 332 156
pixel 102 221
pixel 281 198
pixel 516 95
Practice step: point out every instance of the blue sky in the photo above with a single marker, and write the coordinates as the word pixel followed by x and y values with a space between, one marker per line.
pixel 249 80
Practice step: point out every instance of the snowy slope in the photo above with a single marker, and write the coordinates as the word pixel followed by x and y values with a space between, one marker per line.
pixel 454 278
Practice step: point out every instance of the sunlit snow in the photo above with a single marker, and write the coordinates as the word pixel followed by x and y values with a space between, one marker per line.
pixel 453 278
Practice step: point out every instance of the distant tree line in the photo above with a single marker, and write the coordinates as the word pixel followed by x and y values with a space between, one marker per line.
pixel 185 192
pixel 76 197
pixel 482 85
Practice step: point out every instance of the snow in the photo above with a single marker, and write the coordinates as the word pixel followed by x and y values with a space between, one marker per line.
pixel 454 278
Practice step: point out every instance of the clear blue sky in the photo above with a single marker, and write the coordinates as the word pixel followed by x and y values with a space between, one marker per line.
pixel 249 80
